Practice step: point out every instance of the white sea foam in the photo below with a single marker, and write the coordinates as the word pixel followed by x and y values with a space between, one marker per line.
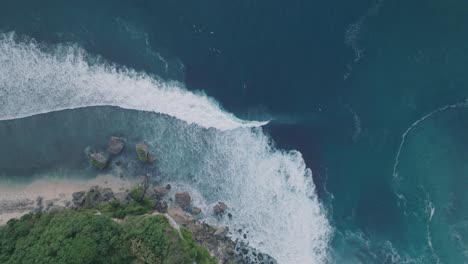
pixel 269 192
pixel 33 81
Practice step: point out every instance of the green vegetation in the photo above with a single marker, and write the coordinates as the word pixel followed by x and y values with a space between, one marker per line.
pixel 67 237
pixel 140 204
pixel 86 236
pixel 142 151
pixel 115 209
pixel 199 253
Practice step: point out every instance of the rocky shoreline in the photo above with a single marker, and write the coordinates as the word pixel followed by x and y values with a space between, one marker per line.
pixel 176 206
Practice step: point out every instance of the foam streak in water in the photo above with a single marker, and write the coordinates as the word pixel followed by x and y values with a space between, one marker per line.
pixel 416 123
pixel 33 81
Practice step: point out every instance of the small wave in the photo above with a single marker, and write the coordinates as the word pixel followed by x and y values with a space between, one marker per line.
pixel 35 81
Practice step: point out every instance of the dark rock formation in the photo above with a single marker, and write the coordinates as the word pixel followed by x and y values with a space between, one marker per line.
pixel 97 195
pixel 161 206
pixel 196 211
pixel 39 203
pixel 249 255
pixel 160 192
pixel 106 195
pixel 215 239
pixel 221 231
pixel 78 198
pixel 219 208
pixel 183 199
pixel 98 160
pixel 115 145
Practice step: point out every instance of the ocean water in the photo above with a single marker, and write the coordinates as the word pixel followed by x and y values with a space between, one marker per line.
pixel 335 130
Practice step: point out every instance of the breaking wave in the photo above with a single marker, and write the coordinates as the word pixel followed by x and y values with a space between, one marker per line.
pixel 35 81
pixel 270 192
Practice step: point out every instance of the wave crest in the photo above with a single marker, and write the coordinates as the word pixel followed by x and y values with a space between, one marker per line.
pixel 34 81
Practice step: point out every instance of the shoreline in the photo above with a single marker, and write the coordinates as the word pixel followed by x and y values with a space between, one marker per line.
pixel 20 199
pixel 52 196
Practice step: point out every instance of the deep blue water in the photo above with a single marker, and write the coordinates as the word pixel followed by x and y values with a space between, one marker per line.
pixel 341 81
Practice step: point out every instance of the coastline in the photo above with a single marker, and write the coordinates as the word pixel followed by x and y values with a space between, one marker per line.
pixel 17 200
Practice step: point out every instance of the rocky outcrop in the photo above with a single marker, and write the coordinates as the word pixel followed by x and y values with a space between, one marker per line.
pixel 219 208
pixel 98 160
pixel 97 195
pixel 142 151
pixel 78 198
pixel 179 216
pixel 144 154
pixel 246 254
pixel 196 210
pixel 183 199
pixel 219 245
pixel 161 206
pixel 115 145
pixel 160 192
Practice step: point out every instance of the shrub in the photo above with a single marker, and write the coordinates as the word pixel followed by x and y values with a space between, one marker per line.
pixel 65 237
pixel 85 237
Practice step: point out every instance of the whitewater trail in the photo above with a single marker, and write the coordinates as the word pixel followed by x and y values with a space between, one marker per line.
pixel 416 123
pixel 34 82
pixel 430 208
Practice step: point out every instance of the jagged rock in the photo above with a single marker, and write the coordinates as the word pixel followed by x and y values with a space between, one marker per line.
pixel 161 206
pixel 96 195
pixel 221 231
pixel 122 197
pixel 219 208
pixel 92 197
pixel 98 160
pixel 143 151
pixel 183 199
pixel 39 201
pixel 247 254
pixel 160 192
pixel 78 198
pixel 115 145
pixel 196 211
pixel 49 204
pixel 106 195
pixel 218 245
pixel 39 204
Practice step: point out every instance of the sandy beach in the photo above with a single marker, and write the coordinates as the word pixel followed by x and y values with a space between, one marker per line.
pixel 18 200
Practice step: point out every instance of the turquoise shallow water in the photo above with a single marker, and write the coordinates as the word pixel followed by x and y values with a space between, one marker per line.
pixel 341 81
